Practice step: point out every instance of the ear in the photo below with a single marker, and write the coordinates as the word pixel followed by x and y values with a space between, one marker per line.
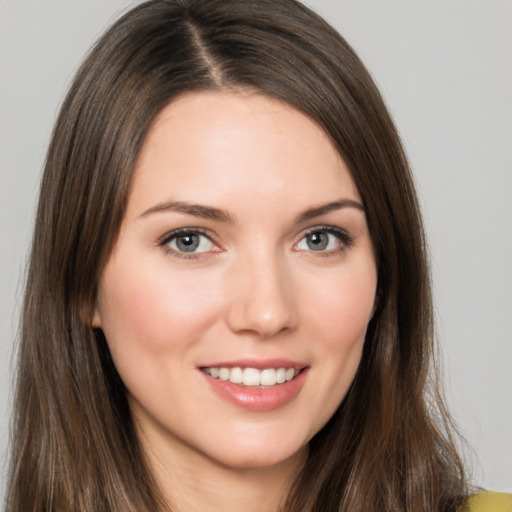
pixel 96 318
pixel 376 301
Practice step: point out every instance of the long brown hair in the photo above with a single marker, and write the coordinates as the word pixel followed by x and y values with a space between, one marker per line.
pixel 389 445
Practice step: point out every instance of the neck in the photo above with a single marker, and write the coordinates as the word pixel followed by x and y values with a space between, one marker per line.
pixel 192 482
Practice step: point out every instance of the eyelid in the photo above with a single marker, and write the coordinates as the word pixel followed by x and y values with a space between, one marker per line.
pixel 169 235
pixel 346 239
pixel 165 239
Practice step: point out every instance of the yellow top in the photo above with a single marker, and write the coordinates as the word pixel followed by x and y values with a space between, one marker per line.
pixel 486 501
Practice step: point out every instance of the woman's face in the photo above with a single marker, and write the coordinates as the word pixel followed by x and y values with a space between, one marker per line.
pixel 244 255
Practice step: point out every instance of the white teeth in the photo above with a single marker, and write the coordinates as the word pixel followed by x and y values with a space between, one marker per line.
pixel 252 376
pixel 268 377
pixel 236 376
pixel 281 375
pixel 290 373
pixel 224 373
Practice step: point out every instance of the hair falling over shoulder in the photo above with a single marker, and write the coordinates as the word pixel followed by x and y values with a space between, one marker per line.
pixel 390 445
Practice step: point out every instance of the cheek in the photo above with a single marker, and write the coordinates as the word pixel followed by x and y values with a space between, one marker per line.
pixel 342 307
pixel 337 316
pixel 153 310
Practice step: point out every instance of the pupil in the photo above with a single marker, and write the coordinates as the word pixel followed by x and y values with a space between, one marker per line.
pixel 318 241
pixel 187 243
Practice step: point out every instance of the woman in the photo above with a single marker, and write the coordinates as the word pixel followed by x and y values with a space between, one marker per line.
pixel 228 300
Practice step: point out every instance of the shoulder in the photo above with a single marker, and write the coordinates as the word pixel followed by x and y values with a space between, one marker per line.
pixel 487 501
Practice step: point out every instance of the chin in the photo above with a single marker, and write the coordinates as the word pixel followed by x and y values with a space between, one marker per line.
pixel 256 457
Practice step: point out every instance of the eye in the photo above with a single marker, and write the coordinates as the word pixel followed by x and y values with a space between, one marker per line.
pixel 187 242
pixel 324 239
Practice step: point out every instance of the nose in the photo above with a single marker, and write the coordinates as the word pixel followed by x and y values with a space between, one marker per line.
pixel 261 297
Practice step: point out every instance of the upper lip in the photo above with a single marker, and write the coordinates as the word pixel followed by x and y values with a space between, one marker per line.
pixel 259 364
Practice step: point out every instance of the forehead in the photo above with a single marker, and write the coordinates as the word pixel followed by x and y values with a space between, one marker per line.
pixel 217 146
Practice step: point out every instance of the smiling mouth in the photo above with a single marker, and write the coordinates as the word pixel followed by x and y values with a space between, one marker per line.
pixel 252 377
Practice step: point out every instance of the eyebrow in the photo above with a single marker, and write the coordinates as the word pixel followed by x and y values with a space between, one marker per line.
pixel 197 210
pixel 216 214
pixel 324 209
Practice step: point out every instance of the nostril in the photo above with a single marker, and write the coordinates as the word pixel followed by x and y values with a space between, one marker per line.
pixel 266 318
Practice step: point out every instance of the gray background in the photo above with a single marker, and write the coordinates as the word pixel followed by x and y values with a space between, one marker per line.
pixel 445 69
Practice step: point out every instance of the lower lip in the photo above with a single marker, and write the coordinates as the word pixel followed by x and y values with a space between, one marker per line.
pixel 258 399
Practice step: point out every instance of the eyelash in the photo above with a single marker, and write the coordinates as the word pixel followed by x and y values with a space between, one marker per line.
pixel 164 241
pixel 345 240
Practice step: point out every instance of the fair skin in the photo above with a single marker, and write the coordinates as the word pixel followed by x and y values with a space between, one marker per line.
pixel 273 269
